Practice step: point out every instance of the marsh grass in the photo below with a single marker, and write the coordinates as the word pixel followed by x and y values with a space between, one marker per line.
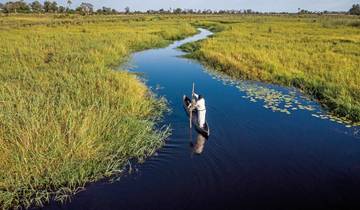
pixel 66 117
pixel 318 55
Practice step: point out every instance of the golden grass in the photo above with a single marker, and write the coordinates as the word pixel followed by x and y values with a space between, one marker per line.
pixel 319 55
pixel 66 117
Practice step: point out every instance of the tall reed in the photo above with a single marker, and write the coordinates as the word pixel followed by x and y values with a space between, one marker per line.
pixel 319 55
pixel 66 116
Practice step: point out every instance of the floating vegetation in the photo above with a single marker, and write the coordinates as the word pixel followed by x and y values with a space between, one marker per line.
pixel 158 87
pixel 278 99
pixel 311 58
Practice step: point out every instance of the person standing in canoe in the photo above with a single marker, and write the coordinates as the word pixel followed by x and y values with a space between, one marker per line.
pixel 201 109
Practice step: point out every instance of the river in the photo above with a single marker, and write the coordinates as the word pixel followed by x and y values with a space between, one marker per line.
pixel 270 148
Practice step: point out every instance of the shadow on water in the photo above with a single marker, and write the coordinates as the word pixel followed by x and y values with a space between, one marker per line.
pixel 267 150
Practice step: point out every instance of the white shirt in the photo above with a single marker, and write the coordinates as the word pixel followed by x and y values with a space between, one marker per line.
pixel 200 104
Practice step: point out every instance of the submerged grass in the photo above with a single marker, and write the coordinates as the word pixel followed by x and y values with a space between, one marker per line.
pixel 66 117
pixel 319 55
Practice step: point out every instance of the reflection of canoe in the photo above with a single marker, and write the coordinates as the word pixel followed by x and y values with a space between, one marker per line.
pixel 204 131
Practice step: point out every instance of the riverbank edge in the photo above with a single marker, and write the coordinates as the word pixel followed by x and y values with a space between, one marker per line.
pixel 64 193
pixel 314 91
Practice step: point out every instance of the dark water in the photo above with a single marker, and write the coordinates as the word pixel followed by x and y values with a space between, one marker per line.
pixel 255 158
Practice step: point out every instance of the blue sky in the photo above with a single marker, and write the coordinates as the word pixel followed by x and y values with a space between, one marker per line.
pixel 258 5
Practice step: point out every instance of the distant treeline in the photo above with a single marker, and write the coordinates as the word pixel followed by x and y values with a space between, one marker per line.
pixel 87 8
pixel 52 7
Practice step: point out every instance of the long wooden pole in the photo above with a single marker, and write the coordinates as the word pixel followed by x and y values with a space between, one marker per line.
pixel 192 96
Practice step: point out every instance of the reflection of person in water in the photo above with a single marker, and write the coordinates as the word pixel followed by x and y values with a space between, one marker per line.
pixel 200 144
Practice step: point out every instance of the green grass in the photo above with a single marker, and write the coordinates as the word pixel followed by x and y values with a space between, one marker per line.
pixel 66 117
pixel 318 55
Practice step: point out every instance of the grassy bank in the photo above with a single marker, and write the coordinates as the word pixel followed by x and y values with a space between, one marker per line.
pixel 66 117
pixel 319 55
